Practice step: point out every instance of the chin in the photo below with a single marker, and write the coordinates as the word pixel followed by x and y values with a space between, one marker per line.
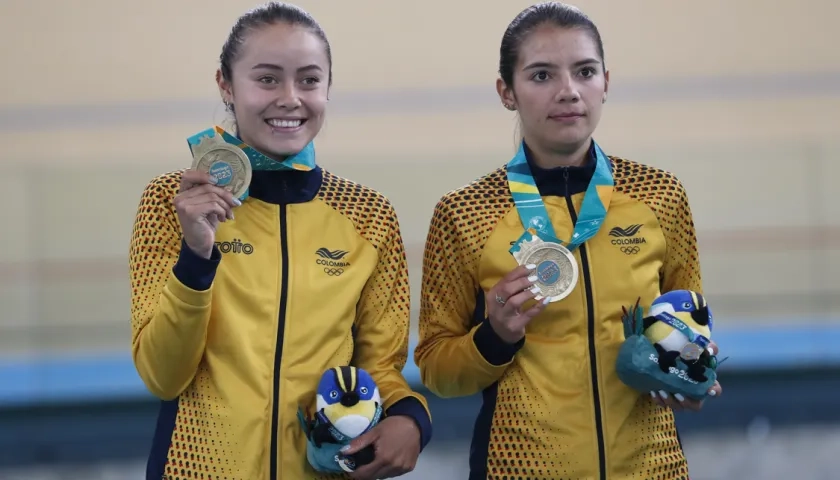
pixel 569 141
pixel 280 150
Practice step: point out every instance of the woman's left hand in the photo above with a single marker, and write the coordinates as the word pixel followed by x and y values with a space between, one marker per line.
pixel 678 402
pixel 396 441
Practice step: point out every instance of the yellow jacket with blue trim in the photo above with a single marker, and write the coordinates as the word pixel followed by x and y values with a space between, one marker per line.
pixel 310 275
pixel 553 406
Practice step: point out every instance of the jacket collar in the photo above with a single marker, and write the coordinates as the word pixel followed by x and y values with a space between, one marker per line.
pixel 282 187
pixel 554 181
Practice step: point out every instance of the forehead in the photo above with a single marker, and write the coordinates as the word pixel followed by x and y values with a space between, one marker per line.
pixel 558 45
pixel 283 44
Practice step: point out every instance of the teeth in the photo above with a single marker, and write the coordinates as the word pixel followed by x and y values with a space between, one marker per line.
pixel 284 123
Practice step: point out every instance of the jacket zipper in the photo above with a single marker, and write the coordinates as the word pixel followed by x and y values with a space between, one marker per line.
pixel 590 314
pixel 281 327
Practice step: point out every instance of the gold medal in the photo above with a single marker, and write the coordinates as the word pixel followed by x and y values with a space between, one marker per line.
pixel 228 163
pixel 557 269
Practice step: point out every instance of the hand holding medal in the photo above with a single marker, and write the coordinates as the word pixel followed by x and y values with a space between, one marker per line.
pixel 506 299
pixel 219 179
pixel 555 267
pixel 201 205
pixel 217 182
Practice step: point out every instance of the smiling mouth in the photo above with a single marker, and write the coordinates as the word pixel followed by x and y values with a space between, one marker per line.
pixel 285 124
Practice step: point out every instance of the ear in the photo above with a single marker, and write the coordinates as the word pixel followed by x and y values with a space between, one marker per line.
pixel 606 85
pixel 225 88
pixel 506 95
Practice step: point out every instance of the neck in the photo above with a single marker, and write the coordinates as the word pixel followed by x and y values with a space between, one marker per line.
pixel 552 158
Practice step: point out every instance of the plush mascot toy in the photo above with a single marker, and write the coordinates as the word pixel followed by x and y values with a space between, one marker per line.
pixel 668 348
pixel 347 405
pixel 679 325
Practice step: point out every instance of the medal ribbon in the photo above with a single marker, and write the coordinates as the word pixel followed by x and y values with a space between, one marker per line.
pixel 532 211
pixel 678 324
pixel 303 160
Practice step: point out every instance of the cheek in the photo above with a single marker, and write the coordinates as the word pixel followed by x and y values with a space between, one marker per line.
pixel 250 101
pixel 594 91
pixel 316 103
pixel 533 104
pixel 595 102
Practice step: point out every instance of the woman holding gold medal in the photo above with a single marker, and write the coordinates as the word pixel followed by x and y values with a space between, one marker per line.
pixel 590 234
pixel 256 271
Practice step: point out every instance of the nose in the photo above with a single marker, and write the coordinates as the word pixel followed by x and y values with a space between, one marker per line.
pixel 349 399
pixel 288 97
pixel 568 92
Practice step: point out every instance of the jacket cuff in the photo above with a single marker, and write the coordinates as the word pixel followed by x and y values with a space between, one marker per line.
pixel 490 345
pixel 196 272
pixel 412 407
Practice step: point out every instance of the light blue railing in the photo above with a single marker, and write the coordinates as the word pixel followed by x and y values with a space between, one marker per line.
pixel 50 379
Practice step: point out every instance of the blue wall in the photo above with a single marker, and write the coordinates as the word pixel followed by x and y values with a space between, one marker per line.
pixel 72 410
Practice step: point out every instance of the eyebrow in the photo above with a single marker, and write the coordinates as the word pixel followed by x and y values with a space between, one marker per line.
pixel 271 66
pixel 579 63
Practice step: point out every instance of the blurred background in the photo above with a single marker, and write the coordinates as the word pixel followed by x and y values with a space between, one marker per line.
pixel 739 98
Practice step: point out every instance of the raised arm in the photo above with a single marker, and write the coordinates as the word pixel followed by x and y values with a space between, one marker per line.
pixel 171 290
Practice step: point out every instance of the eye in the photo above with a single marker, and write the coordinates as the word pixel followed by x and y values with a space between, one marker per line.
pixel 588 72
pixel 268 80
pixel 686 305
pixel 540 76
pixel 311 81
pixel 363 390
pixel 334 394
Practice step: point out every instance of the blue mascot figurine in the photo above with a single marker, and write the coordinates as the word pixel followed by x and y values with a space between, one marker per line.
pixel 668 349
pixel 679 325
pixel 347 405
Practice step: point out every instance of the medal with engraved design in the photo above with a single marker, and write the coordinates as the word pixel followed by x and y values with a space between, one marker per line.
pixel 557 270
pixel 228 163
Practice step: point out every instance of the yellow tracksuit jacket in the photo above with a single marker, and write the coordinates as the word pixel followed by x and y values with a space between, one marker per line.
pixel 311 274
pixel 553 407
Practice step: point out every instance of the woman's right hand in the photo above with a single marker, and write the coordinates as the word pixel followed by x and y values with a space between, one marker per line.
pixel 505 301
pixel 201 206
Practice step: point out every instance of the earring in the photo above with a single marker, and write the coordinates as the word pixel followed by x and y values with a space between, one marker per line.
pixel 509 107
pixel 604 100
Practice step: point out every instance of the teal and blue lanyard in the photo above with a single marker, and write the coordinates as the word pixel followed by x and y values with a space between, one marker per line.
pixel 532 211
pixel 303 160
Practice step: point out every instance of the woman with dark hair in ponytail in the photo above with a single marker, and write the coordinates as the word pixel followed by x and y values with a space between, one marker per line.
pixel 553 406
pixel 241 301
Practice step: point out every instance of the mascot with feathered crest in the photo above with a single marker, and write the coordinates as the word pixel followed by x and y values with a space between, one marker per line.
pixel 668 349
pixel 347 405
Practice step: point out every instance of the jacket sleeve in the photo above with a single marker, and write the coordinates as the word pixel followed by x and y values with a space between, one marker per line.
pixel 457 355
pixel 382 328
pixel 170 294
pixel 681 269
